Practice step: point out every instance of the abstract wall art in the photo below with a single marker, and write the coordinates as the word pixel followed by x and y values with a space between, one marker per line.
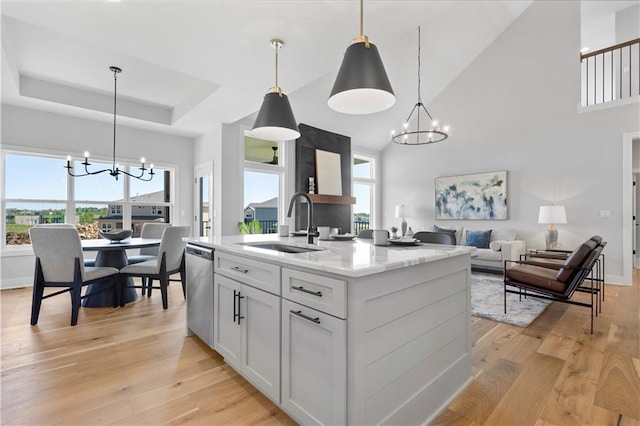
pixel 480 196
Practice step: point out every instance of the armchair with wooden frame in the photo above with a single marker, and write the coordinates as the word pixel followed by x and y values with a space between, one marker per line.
pixel 555 282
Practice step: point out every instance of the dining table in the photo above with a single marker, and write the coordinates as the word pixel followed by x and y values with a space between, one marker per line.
pixel 113 253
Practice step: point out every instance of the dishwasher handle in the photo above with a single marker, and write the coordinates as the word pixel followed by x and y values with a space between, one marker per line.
pixel 198 251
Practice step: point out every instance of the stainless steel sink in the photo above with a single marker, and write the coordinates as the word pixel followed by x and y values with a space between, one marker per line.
pixel 281 247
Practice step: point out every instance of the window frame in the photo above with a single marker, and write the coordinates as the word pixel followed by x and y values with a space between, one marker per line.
pixel 70 202
pixel 371 181
pixel 279 169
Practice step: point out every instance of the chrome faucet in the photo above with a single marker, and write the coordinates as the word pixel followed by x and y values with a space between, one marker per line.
pixel 311 232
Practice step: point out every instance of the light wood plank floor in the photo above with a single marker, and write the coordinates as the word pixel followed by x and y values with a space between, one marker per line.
pixel 133 365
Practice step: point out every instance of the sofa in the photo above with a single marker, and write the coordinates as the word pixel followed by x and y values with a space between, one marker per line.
pixel 493 246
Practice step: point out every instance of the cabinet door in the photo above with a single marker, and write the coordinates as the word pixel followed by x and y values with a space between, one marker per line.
pixel 314 365
pixel 261 340
pixel 227 333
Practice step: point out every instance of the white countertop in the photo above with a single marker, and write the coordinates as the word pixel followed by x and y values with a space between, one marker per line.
pixel 354 258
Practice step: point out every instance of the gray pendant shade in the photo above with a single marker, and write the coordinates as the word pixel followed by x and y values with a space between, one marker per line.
pixel 275 119
pixel 362 85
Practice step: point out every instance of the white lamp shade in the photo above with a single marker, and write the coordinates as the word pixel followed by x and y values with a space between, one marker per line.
pixel 403 211
pixel 552 214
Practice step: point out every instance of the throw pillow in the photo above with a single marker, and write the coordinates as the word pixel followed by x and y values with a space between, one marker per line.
pixel 479 239
pixel 436 228
pixel 495 245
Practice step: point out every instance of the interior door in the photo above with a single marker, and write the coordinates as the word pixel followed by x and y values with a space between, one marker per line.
pixel 203 196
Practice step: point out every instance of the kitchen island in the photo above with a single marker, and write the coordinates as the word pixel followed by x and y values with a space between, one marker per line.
pixel 345 332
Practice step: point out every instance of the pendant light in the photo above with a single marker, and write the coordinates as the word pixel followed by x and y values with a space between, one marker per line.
pixel 412 133
pixel 275 120
pixel 362 85
pixel 146 174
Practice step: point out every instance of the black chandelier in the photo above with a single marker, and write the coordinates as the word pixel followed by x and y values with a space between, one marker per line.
pixel 414 135
pixel 114 170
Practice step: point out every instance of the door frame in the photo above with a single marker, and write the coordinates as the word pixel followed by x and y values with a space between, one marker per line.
pixel 627 210
pixel 199 170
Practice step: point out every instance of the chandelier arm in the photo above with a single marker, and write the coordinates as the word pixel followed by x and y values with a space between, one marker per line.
pixel 411 113
pixel 426 110
pixel 141 175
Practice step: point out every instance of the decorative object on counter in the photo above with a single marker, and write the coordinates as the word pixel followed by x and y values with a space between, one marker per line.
pixel 323 233
pixel 411 133
pixel 477 196
pixel 275 120
pixel 406 241
pixel 362 85
pixel 114 170
pixel 283 230
pixel 342 237
pixel 329 172
pixel 552 215
pixel 334 231
pixel 409 232
pixel 116 235
pixel 403 211
pixel 380 237
pixel 312 185
pixel 394 232
pixel 252 227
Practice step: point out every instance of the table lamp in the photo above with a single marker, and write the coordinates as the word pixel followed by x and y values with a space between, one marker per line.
pixel 403 211
pixel 552 215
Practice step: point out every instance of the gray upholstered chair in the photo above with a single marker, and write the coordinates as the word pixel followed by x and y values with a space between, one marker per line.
pixel 87 262
pixel 170 260
pixel 59 263
pixel 149 230
pixel 435 237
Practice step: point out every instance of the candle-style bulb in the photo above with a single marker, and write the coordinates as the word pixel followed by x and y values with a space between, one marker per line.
pixel 68 158
pixel 86 154
pixel 142 160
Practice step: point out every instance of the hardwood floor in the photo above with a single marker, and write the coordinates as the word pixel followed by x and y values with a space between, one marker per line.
pixel 133 365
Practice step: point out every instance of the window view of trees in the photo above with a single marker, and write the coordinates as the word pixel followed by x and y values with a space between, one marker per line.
pixel 98 201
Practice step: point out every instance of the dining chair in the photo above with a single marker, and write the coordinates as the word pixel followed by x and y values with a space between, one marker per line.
pixel 435 237
pixel 87 262
pixel 58 252
pixel 149 230
pixel 170 260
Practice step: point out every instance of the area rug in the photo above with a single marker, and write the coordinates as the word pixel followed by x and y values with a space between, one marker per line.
pixel 487 301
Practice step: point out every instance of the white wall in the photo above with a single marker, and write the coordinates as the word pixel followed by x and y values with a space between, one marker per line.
pixel 628 24
pixel 208 148
pixel 515 109
pixel 34 130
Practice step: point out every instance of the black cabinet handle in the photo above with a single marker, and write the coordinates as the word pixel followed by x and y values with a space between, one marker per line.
pixel 239 314
pixel 235 312
pixel 301 315
pixel 239 269
pixel 304 290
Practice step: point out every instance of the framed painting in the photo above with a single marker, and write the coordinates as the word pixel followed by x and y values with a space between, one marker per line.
pixel 480 196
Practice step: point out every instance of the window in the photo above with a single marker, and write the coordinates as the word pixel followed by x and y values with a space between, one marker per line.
pixel 93 203
pixel 364 189
pixel 263 181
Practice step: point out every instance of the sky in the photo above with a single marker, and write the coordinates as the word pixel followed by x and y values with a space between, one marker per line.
pixel 43 177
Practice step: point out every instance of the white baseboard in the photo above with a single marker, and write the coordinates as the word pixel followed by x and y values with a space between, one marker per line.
pixel 617 280
pixel 16 283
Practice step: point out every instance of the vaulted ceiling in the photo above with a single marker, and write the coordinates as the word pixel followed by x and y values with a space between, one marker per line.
pixel 189 66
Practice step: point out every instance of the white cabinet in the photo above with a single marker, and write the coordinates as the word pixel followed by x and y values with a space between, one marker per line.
pixel 247 332
pixel 314 365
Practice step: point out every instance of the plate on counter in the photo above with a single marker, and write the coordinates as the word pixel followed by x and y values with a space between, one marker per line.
pixel 399 242
pixel 343 237
pixel 299 233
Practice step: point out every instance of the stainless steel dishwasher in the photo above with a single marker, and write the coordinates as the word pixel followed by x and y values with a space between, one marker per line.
pixel 199 266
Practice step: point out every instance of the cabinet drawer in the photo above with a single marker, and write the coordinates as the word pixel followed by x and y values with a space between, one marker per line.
pixel 322 293
pixel 264 276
